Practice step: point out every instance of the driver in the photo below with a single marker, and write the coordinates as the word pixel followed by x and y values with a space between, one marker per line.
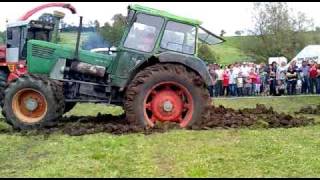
pixel 148 42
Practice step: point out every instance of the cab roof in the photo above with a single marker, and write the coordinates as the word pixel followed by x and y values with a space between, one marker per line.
pixel 162 13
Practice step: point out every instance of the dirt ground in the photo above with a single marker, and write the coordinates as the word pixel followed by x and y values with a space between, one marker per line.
pixel 220 117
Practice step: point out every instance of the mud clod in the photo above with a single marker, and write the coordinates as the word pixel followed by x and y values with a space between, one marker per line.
pixel 230 118
pixel 309 110
pixel 220 117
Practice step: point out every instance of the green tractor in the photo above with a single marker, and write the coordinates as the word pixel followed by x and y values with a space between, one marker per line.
pixel 154 74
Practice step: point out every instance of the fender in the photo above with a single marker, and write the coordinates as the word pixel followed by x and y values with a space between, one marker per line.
pixel 190 61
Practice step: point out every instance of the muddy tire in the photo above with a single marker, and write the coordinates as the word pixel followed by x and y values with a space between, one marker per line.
pixel 69 106
pixel 3 83
pixel 157 92
pixel 33 102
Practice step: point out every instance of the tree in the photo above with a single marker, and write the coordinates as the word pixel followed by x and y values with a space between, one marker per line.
pixel 113 33
pixel 238 32
pixel 277 31
pixel 96 25
pixel 222 33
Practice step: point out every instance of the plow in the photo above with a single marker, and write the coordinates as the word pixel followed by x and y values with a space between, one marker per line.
pixel 154 74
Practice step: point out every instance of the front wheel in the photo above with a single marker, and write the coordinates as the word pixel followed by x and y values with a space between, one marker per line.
pixel 33 102
pixel 166 92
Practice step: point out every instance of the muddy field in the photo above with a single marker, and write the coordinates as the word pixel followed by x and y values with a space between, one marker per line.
pixel 220 117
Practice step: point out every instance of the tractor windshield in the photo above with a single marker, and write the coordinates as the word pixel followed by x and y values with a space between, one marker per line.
pixel 179 37
pixel 208 37
pixel 144 33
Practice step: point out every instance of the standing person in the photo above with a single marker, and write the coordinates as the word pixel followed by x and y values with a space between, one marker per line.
pixel 253 78
pixel 236 68
pixel 240 84
pixel 258 84
pixel 272 78
pixel 226 77
pixel 219 72
pixel 292 77
pixel 232 82
pixel 247 86
pixel 244 70
pixel 214 77
pixel 313 77
pixel 318 78
pixel 281 78
pixel 264 78
pixel 294 65
pixel 305 77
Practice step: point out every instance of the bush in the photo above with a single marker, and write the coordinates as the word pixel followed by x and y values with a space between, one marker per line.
pixel 206 53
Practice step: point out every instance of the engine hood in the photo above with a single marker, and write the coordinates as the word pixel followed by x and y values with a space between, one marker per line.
pixel 37 47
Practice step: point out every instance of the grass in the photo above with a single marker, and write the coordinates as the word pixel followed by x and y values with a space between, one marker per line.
pixel 279 152
pixel 230 51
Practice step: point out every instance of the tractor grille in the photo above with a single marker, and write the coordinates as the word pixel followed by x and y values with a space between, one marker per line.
pixel 42 52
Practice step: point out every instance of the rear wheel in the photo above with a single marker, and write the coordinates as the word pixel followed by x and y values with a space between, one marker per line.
pixel 3 83
pixel 166 92
pixel 33 102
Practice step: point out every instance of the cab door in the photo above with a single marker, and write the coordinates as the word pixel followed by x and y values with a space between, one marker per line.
pixel 137 46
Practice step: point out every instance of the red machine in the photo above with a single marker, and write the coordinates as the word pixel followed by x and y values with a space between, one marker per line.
pixel 13 53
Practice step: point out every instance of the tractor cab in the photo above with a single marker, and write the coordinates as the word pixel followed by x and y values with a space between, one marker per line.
pixel 152 30
pixel 19 33
pixel 160 34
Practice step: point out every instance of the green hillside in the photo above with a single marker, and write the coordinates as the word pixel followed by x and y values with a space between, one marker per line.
pixel 230 51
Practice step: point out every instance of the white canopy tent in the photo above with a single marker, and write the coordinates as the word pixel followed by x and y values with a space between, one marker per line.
pixel 278 60
pixel 310 52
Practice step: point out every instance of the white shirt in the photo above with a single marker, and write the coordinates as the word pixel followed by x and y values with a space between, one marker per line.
pixel 236 70
pixel 219 73
pixel 281 72
pixel 232 78
pixel 245 71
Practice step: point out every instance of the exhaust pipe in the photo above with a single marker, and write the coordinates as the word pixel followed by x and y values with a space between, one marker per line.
pixel 76 53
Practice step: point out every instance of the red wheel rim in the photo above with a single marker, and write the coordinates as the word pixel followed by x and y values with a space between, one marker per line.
pixel 168 101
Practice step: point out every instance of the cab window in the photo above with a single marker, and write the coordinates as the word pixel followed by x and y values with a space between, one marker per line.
pixel 179 37
pixel 144 32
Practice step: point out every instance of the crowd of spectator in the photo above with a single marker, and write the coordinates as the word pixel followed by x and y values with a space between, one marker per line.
pixel 250 79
